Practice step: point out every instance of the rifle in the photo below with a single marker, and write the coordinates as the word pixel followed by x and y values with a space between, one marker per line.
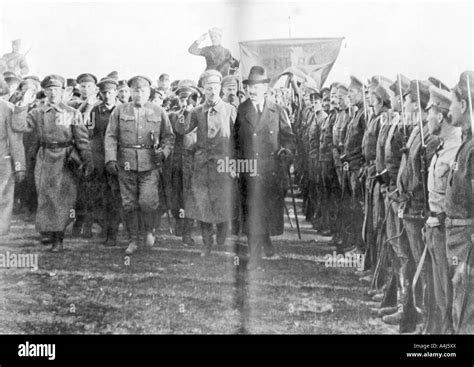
pixel 156 149
pixel 425 194
pixel 470 103
pixel 401 106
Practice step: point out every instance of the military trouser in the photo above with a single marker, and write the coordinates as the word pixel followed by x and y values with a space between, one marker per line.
pixel 369 230
pixel 413 223
pixel 113 205
pixel 330 197
pixel 461 264
pixel 398 253
pixel 441 317
pixel 349 208
pixel 140 197
pixel 381 256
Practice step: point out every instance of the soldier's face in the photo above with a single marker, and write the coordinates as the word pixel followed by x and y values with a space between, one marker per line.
pixel 16 46
pixel 457 110
pixel 109 96
pixel 257 91
pixel 164 83
pixel 87 89
pixel 124 95
pixel 434 121
pixel 343 100
pixel 54 94
pixel 334 98
pixel 326 102
pixel 140 95
pixel 215 38
pixel 212 91
pixel 183 102
pixel 355 95
pixel 230 90
pixel 395 102
pixel 317 105
pixel 376 103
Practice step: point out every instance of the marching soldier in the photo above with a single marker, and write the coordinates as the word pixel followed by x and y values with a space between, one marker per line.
pixel 210 200
pixel 262 134
pixel 12 163
pixel 181 161
pixel 459 209
pixel 85 206
pixel 64 147
pixel 106 192
pixel 435 235
pixel 135 129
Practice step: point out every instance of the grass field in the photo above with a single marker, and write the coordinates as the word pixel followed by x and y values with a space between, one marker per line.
pixel 170 289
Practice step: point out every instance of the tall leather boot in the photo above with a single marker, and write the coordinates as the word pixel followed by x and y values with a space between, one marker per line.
pixel 396 318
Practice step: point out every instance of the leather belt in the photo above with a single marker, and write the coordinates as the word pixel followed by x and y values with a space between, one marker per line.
pixel 136 146
pixel 454 222
pixel 413 216
pixel 56 145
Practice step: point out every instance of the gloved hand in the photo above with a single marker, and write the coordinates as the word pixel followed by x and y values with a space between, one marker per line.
pixel 19 176
pixel 112 168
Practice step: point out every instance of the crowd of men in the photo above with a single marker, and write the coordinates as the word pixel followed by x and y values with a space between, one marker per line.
pixel 384 167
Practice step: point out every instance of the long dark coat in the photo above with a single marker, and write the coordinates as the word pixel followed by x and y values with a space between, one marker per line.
pixel 55 182
pixel 260 138
pixel 210 199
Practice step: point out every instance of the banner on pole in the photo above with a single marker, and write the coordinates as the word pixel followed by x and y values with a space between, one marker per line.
pixel 310 59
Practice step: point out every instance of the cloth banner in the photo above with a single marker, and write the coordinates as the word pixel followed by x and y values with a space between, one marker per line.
pixel 309 59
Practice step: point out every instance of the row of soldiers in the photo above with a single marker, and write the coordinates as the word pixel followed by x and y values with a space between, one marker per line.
pixel 385 168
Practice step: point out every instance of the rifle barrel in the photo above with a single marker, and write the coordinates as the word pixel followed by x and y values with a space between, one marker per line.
pixel 470 104
pixel 401 106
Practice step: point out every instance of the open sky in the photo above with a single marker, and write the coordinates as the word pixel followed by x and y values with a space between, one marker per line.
pixel 416 38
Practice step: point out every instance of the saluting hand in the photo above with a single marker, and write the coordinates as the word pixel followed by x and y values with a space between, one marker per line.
pixel 28 98
pixel 202 38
